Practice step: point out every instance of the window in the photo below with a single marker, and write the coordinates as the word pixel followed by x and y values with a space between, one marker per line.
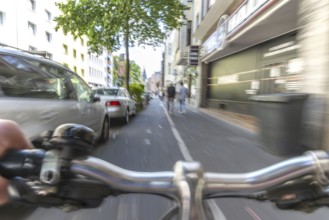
pixel 169 49
pixel 31 48
pixel 75 69
pixel 2 18
pixel 82 72
pixel 188 33
pixel 48 37
pixel 32 5
pixel 32 28
pixel 50 56
pixel 196 21
pixel 82 42
pixel 49 83
pixel 65 49
pixel 82 90
pixel 82 57
pixel 74 53
pixel 48 15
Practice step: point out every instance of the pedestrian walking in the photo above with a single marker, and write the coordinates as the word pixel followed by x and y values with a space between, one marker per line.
pixel 171 93
pixel 161 95
pixel 182 98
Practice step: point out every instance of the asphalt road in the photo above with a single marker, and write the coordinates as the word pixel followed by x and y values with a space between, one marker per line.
pixel 154 141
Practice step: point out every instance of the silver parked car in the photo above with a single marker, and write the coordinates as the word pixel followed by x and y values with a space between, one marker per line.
pixel 118 102
pixel 40 95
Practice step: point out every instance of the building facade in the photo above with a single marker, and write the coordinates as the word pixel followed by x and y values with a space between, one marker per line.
pixel 254 47
pixel 251 49
pixel 28 25
pixel 177 65
pixel 246 47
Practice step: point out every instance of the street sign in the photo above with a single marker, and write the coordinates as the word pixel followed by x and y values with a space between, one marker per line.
pixel 193 58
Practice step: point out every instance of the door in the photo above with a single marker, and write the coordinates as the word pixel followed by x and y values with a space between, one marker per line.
pixel 91 113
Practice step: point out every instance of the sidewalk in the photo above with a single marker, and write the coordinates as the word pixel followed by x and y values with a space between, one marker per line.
pixel 245 121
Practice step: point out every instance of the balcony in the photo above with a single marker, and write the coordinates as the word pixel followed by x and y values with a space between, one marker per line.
pixel 181 56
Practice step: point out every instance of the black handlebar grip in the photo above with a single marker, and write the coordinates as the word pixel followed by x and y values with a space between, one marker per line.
pixel 21 163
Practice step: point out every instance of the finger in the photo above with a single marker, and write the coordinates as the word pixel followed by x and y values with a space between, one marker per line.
pixel 4 198
pixel 11 136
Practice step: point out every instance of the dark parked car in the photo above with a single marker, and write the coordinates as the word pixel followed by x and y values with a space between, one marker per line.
pixel 40 94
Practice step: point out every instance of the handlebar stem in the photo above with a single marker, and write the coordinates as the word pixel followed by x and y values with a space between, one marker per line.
pixel 190 183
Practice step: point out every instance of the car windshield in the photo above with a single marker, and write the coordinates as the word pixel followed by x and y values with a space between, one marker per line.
pixel 113 92
pixel 20 79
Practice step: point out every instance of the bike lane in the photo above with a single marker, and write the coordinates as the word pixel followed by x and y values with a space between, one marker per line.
pixel 224 147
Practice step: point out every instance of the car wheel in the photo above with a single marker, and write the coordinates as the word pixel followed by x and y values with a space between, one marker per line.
pixel 127 117
pixel 105 131
pixel 135 111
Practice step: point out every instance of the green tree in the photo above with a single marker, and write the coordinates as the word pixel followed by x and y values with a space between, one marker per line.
pixel 135 72
pixel 112 23
pixel 115 70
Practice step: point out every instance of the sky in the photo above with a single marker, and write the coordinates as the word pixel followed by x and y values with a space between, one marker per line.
pixel 147 58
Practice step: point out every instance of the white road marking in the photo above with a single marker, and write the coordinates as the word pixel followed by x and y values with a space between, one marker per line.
pixel 252 213
pixel 148 131
pixel 114 132
pixel 147 141
pixel 160 126
pixel 186 154
pixel 217 213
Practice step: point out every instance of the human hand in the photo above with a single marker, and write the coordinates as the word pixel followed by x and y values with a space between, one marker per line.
pixel 11 137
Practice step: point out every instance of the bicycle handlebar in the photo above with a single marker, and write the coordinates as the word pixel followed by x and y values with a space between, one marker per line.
pixel 186 178
pixel 268 176
pixel 157 182
pixel 65 176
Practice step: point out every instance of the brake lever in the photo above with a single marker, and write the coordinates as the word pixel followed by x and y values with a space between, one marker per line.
pixel 23 163
pixel 69 195
pixel 300 194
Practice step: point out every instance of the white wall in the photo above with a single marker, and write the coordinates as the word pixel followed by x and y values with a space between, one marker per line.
pixel 14 32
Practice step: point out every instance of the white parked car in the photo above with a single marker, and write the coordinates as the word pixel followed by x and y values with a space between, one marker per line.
pixel 118 102
pixel 40 95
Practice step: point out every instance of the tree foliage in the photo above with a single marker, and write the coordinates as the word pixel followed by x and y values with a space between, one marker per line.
pixel 135 72
pixel 111 24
